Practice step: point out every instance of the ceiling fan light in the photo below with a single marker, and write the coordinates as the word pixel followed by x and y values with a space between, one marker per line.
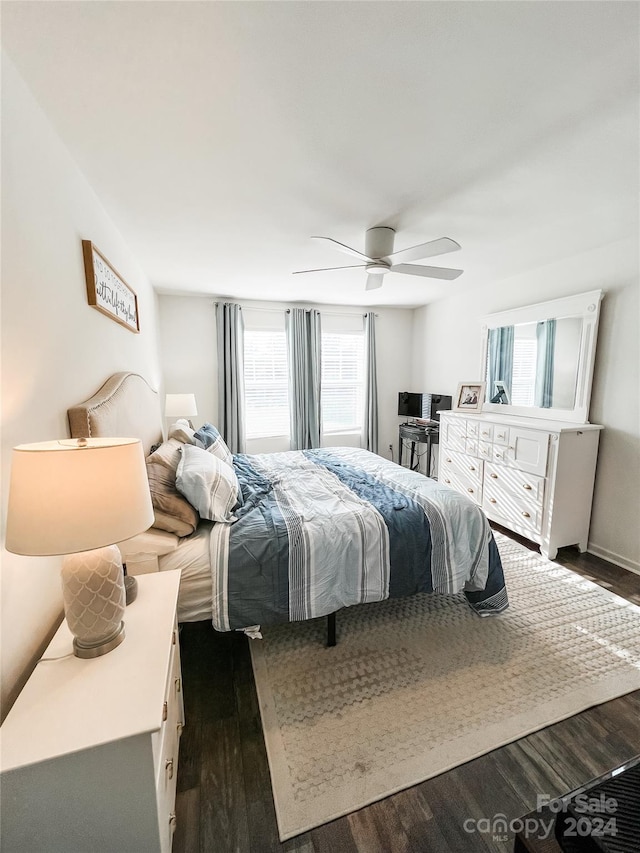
pixel 377 269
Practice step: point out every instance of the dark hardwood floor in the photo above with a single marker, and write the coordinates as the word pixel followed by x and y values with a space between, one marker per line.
pixel 224 800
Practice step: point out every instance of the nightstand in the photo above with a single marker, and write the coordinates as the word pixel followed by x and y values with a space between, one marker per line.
pixel 90 748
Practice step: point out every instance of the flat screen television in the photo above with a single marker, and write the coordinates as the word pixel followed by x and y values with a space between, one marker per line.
pixel 423 406
pixel 410 405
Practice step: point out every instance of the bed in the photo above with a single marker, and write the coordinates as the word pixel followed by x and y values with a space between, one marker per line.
pixel 311 532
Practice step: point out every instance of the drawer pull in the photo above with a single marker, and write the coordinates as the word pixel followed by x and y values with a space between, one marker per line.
pixel 447 481
pixel 173 639
pixel 495 476
pixel 168 766
pixel 470 490
pixel 172 821
pixel 471 468
pixel 179 728
pixel 448 459
pixel 526 486
pixel 526 514
pixel 484 432
pixel 492 500
pixel 178 685
pixel 165 711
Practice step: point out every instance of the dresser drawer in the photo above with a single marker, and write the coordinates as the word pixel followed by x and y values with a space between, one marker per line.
pixel 485 432
pixel 517 483
pixel 472 429
pixel 453 434
pixel 485 450
pixel 464 484
pixel 500 434
pixel 461 464
pixel 521 512
pixel 471 446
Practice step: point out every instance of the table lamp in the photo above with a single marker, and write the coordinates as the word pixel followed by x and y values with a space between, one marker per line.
pixel 77 497
pixel 180 406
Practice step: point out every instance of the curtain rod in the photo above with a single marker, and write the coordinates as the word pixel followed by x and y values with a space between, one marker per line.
pixel 287 310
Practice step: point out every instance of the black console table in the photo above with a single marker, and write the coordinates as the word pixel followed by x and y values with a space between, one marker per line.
pixel 428 435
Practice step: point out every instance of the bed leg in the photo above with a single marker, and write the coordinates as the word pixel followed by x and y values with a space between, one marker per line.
pixel 331 630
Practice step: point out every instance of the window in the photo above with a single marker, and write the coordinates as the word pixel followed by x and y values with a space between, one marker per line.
pixel 342 399
pixel 524 371
pixel 266 383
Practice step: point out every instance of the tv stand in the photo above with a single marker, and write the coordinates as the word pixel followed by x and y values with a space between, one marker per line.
pixel 416 434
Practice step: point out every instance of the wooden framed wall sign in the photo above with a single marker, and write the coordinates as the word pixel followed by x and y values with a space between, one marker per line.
pixel 107 290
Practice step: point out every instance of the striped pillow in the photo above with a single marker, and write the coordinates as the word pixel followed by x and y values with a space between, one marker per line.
pixel 209 438
pixel 208 483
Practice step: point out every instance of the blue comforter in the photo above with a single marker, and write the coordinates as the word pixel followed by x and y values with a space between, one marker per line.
pixel 319 530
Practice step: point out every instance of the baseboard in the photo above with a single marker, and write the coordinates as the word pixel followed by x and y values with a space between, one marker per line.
pixel 629 565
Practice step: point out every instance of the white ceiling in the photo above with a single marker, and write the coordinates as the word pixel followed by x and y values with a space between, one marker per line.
pixel 220 136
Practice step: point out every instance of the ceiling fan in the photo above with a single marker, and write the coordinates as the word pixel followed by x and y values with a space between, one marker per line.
pixel 379 257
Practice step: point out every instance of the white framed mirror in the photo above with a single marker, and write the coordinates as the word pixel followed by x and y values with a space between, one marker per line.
pixel 537 361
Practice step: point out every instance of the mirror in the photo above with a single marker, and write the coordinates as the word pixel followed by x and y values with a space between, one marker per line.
pixel 538 360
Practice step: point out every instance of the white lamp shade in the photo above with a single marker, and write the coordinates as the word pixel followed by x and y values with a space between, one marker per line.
pixel 76 494
pixel 177 405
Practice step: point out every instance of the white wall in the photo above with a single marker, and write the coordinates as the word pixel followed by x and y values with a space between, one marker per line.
pixel 189 361
pixel 56 349
pixel 447 350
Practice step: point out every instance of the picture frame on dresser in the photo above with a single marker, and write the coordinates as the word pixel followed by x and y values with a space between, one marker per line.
pixel 469 397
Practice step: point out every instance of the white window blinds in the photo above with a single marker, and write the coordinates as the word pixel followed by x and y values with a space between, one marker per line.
pixel 524 372
pixel 266 383
pixel 342 397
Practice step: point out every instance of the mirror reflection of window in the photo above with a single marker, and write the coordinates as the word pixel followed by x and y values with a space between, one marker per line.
pixel 537 362
pixel 524 371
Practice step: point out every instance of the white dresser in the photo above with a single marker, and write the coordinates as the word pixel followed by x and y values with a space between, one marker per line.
pixel 89 751
pixel 533 476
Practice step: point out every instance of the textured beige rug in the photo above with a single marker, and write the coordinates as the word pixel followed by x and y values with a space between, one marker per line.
pixel 417 686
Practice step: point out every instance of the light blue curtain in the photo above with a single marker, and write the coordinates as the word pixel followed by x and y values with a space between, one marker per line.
pixel 370 384
pixel 500 366
pixel 546 336
pixel 230 329
pixel 303 348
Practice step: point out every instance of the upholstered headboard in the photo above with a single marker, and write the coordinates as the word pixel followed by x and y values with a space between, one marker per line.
pixel 126 405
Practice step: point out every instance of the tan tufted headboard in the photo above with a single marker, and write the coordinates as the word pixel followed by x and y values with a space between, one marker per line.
pixel 126 405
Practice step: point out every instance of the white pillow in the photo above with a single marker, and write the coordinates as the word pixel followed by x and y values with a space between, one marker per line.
pixel 181 431
pixel 208 483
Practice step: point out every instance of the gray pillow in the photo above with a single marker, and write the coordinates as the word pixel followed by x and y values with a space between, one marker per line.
pixel 172 511
pixel 208 483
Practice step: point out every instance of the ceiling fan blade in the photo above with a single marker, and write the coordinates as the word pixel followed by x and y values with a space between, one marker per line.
pixel 373 282
pixel 329 269
pixel 425 250
pixel 346 249
pixel 427 272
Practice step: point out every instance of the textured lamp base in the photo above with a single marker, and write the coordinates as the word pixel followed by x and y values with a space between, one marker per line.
pixel 94 600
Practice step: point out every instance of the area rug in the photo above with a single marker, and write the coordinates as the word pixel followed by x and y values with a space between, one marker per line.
pixel 417 686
